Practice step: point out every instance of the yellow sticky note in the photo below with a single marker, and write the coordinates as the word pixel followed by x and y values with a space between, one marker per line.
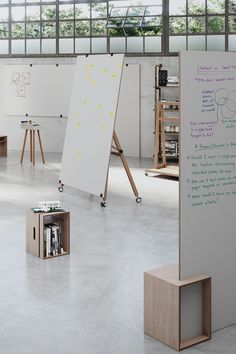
pixel 99 106
pixel 114 75
pixel 76 114
pixel 92 66
pixel 111 114
pixel 105 70
pixel 104 126
pixel 78 154
pixel 78 125
pixel 85 101
pixel 86 66
pixel 88 77
pixel 119 65
pixel 93 82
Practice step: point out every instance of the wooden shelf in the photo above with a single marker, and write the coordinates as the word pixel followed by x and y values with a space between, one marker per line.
pixel 35 226
pixel 171 170
pixel 162 306
pixel 3 146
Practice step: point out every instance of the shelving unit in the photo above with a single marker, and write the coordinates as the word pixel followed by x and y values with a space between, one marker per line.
pixel 35 226
pixel 3 146
pixel 162 137
pixel 166 138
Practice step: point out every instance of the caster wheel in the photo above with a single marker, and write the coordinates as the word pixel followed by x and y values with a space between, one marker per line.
pixel 60 189
pixel 138 200
pixel 146 174
pixel 103 204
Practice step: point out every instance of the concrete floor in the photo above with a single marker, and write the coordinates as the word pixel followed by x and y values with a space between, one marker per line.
pixel 90 302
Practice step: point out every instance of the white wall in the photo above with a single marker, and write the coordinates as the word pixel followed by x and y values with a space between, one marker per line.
pixel 53 129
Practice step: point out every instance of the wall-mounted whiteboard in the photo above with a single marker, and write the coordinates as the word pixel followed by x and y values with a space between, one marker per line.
pixel 208 176
pixel 128 112
pixel 91 122
pixel 37 90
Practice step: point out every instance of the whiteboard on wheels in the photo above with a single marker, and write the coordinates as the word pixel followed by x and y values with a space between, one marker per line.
pixel 91 121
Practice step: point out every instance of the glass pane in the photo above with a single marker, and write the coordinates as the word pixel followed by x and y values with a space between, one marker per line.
pixel 33 46
pixel 30 1
pixel 232 23
pixel 117 45
pixel 49 29
pixel 177 43
pixel 66 29
pixel 99 28
pixel 153 45
pixel 4 2
pixel 232 6
pixel 196 24
pixel 48 46
pixel 116 32
pixel 154 10
pixel 216 43
pixel 216 24
pixel 136 11
pixel 18 30
pixel 66 12
pixel 4 30
pixel 82 11
pixel 32 13
pixel 177 7
pixel 33 30
pixel 232 43
pixel 66 46
pixel 117 12
pixel 216 6
pixel 18 46
pixel 47 0
pixel 82 45
pixel 135 45
pixel 17 1
pixel 82 28
pixel 4 47
pixel 99 10
pixel 4 14
pixel 196 42
pixel 49 12
pixel 18 13
pixel 177 25
pixel 196 7
pixel 152 26
pixel 99 45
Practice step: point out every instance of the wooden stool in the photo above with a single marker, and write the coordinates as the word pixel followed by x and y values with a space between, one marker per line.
pixel 31 128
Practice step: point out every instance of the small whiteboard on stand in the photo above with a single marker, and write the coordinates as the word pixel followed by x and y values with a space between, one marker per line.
pixel 208 176
pixel 91 121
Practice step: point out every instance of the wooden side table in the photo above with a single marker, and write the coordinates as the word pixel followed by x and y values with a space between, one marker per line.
pixel 32 129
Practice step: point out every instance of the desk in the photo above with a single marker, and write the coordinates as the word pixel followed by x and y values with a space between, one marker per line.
pixel 32 129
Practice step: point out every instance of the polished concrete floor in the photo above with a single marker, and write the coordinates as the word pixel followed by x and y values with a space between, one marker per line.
pixel 90 302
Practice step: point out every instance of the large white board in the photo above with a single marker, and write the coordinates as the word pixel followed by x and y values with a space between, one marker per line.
pixel 91 122
pixel 128 112
pixel 208 176
pixel 37 90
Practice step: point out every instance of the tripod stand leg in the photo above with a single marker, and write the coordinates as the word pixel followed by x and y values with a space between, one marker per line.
pixel 126 167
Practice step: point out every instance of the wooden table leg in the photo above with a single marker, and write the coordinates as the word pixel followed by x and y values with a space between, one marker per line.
pixel 41 148
pixel 33 147
pixel 31 152
pixel 23 147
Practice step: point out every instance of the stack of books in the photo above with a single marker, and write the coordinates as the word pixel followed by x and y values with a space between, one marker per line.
pixel 53 242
